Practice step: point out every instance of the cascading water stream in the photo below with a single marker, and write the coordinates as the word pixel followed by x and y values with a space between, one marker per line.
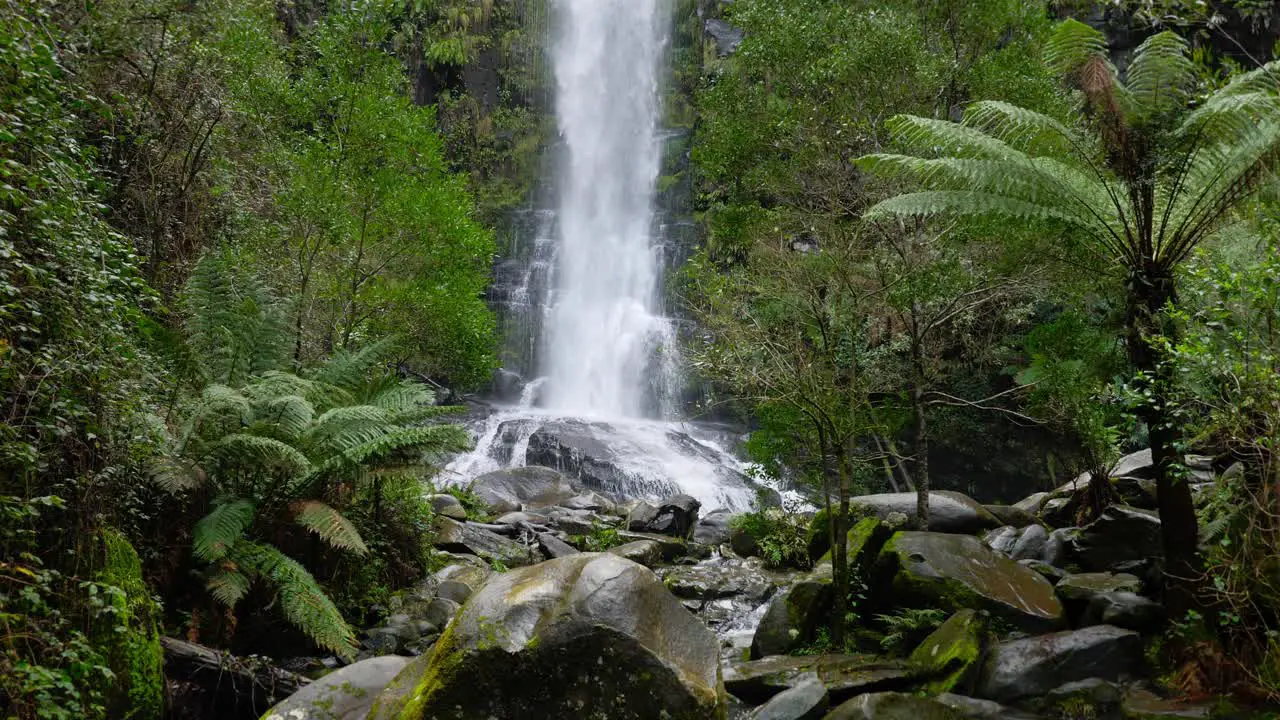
pixel 600 411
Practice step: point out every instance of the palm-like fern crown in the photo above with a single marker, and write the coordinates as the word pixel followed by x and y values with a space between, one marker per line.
pixel 1150 180
pixel 235 325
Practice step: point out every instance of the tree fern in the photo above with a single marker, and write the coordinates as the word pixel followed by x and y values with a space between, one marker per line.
pixel 302 600
pixel 234 323
pixel 216 533
pixel 177 475
pixel 290 416
pixel 350 369
pixel 330 525
pixel 1161 78
pixel 228 585
pixel 242 451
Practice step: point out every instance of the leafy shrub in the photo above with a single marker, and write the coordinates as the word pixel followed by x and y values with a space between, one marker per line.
pixel 601 538
pixel 783 537
pixel 477 509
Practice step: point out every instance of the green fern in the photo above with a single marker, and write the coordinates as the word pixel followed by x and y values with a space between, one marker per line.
pixel 177 475
pixel 262 453
pixel 235 325
pixel 302 600
pixel 216 533
pixel 228 585
pixel 330 525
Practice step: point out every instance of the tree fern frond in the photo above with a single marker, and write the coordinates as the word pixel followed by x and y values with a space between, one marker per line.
pixel 430 440
pixel 1227 118
pixel 302 600
pixel 216 533
pixel 958 202
pixel 221 410
pixel 350 369
pixel 1160 78
pixel 1265 79
pixel 1072 45
pixel 291 415
pixel 330 525
pixel 228 585
pixel 947 138
pixel 1027 130
pixel 403 396
pixel 176 475
pixel 264 453
pixel 234 323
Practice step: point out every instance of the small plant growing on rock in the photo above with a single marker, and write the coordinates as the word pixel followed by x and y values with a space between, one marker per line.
pixel 906 629
pixel 782 538
pixel 601 538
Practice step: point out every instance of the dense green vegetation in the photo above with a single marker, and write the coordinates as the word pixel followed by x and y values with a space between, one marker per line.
pixel 980 246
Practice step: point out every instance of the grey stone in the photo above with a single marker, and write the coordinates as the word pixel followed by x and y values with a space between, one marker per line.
pixel 1001 539
pixel 713 528
pixel 719 579
pixel 894 706
pixel 1033 666
pixel 1077 591
pixel 448 506
pixel 844 676
pixel 726 37
pixel 1047 571
pixel 952 572
pixel 640 515
pixel 672 547
pixel 459 582
pixel 949 512
pixel 808 700
pixel 792 618
pixel 464 537
pixel 1055 547
pixel 345 694
pixel 590 500
pixel 1122 534
pixel 1125 609
pixel 1030 543
pixel 645 552
pixel 1011 515
pixel 677 516
pixel 440 612
pixel 554 547
pixel 517 488
pixel 1095 692
pixel 1032 503
pixel 591 631
pixel 1141 704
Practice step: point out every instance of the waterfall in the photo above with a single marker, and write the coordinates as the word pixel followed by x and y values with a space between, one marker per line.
pixel 604 324
pixel 580 294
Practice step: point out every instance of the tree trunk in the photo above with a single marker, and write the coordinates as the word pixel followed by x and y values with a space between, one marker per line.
pixel 839 542
pixel 1149 293
pixel 921 440
pixel 206 683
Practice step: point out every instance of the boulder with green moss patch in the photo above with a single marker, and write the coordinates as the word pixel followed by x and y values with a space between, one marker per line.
pixel 864 541
pixel 347 694
pixel 793 617
pixel 952 655
pixel 953 572
pixel 590 636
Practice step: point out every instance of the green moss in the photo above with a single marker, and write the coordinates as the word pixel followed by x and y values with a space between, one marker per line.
pixel 951 654
pixel 129 637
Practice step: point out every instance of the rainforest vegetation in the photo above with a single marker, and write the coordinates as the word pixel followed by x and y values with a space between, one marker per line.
pixel 986 246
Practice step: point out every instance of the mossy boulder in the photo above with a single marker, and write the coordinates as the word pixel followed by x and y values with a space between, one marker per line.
pixel 952 655
pixel 129 636
pixel 894 706
pixel 844 676
pixel 347 694
pixel 954 572
pixel 793 617
pixel 864 541
pixel 590 636
pixel 949 512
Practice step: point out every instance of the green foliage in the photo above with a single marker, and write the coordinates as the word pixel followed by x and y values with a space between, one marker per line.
pixel 475 506
pixel 601 538
pixel 906 629
pixel 783 536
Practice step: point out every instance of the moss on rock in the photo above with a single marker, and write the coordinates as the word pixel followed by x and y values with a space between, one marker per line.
pixel 128 635
pixel 952 654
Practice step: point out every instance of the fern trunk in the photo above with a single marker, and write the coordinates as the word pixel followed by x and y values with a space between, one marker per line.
pixel 1150 291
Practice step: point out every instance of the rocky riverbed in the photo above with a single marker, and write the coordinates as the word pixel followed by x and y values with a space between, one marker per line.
pixel 1018 613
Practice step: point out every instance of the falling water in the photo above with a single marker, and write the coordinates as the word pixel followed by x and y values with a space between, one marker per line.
pixel 604 324
pixel 587 282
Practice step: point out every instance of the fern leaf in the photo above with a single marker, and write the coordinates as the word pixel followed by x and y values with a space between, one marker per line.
pixel 958 202
pixel 228 585
pixel 302 600
pixel 1021 128
pixel 177 475
pixel 330 525
pixel 1072 45
pixel 216 533
pixel 403 396
pixel 290 415
pixel 350 369
pixel 434 439
pixel 264 453
pixel 947 138
pixel 1160 78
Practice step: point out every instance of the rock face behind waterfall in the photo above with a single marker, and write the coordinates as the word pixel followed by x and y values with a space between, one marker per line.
pixel 587 636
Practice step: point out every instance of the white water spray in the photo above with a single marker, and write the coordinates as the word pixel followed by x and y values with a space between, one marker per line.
pixel 604 325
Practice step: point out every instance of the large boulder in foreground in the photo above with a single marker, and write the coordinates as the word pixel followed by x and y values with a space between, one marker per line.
pixel 591 636
pixel 1033 666
pixel 953 572
pixel 949 512
pixel 346 694
pixel 518 488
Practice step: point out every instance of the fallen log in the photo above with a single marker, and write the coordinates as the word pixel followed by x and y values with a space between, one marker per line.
pixel 204 683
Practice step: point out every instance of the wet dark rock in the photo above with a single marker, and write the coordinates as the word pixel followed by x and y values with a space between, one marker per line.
pixel 1122 534
pixel 1033 666
pixel 672 548
pixel 949 512
pixel 1030 543
pixel 1055 547
pixel 1031 504
pixel 1001 539
pixel 792 618
pixel 1047 571
pixel 1077 591
pixel 714 528
pixel 578 522
pixel 464 537
pixel 592 501
pixel 589 631
pixel 1124 609
pixel 954 572
pixel 1011 515
pixel 640 515
pixel 347 694
pixel 715 580
pixel 1096 693
pixel 518 488
pixel 1141 704
pixel 726 37
pixel 977 709
pixel 440 612
pixel 807 700
pixel 677 516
